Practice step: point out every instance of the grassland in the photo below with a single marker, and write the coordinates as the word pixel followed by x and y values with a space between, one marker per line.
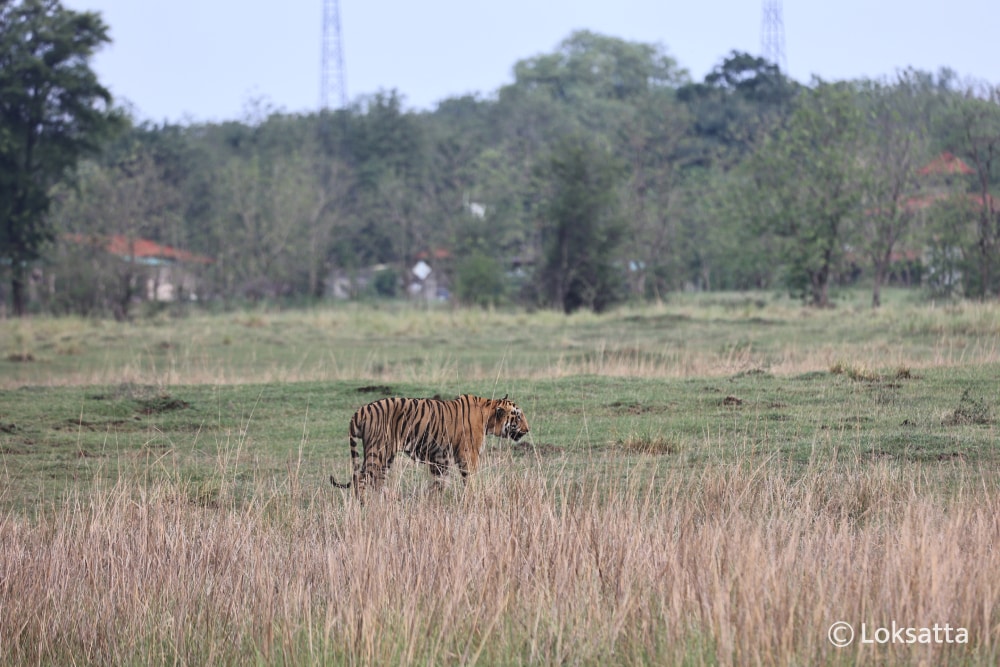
pixel 710 480
pixel 689 337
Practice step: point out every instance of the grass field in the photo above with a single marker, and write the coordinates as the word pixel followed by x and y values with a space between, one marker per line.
pixel 717 479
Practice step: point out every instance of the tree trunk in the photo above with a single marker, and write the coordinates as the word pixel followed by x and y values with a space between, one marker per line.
pixel 984 258
pixel 877 288
pixel 17 292
pixel 820 293
pixel 881 271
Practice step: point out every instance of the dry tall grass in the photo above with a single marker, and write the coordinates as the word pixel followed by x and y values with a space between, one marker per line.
pixel 742 563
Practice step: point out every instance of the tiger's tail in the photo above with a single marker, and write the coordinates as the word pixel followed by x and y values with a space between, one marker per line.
pixel 354 433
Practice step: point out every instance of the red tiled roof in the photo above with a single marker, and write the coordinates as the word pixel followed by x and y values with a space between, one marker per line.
pixel 946 163
pixel 436 253
pixel 919 203
pixel 122 246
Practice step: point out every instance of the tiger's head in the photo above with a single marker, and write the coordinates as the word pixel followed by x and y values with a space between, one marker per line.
pixel 507 420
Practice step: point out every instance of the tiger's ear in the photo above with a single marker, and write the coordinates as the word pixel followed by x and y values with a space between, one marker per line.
pixel 504 397
pixel 500 411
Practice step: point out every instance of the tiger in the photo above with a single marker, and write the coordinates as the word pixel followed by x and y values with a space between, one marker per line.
pixel 440 433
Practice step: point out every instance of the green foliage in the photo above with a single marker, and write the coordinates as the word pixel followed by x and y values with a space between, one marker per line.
pixel 741 99
pixel 584 227
pixel 752 77
pixel 129 200
pixel 480 280
pixel 386 283
pixel 588 65
pixel 892 151
pixel 977 121
pixel 385 140
pixel 739 181
pixel 52 111
pixel 807 180
pixel 948 258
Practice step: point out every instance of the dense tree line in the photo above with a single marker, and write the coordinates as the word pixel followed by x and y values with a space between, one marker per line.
pixel 603 172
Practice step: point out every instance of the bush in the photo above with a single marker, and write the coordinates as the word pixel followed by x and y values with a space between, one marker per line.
pixel 479 280
pixel 386 283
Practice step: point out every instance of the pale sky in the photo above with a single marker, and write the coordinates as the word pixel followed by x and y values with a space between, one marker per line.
pixel 204 60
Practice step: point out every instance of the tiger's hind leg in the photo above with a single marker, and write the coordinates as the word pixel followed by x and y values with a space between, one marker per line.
pixel 367 482
pixel 371 476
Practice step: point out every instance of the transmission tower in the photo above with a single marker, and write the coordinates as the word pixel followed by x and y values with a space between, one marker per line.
pixel 772 34
pixel 332 77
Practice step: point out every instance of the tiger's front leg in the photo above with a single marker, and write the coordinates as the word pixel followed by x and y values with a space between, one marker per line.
pixel 468 464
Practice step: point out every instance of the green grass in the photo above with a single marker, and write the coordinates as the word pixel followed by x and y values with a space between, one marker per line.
pixel 711 480
pixel 51 437
pixel 690 336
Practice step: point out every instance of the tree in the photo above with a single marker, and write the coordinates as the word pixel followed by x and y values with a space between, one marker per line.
pixel 479 280
pixel 724 249
pixel 131 201
pixel 753 78
pixel 654 140
pixel 588 65
pixel 738 101
pixel 583 227
pixel 978 121
pixel 273 228
pixel 807 185
pixel 52 111
pixel 388 153
pixel 586 86
pixel 894 148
